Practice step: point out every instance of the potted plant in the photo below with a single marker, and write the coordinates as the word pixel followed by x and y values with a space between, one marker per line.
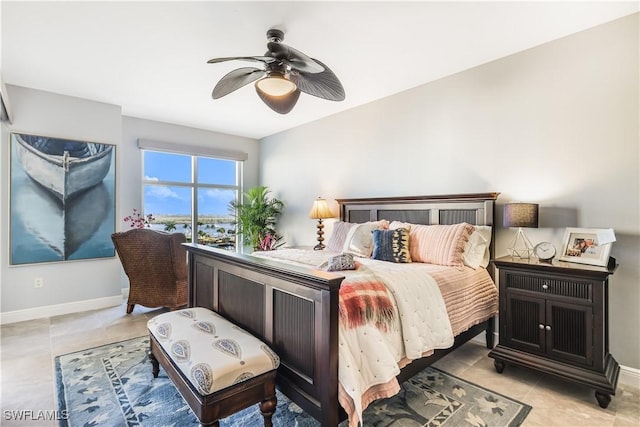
pixel 256 217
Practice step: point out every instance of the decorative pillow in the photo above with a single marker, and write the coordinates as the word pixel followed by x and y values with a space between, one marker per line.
pixel 341 262
pixel 338 236
pixel 438 244
pixel 359 240
pixel 476 251
pixel 391 245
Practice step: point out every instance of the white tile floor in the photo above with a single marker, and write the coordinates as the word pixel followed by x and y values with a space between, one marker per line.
pixel 28 350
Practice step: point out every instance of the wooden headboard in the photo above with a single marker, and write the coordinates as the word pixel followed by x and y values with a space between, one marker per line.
pixel 473 208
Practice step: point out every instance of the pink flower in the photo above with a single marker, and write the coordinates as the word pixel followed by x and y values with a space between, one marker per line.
pixel 267 243
pixel 139 221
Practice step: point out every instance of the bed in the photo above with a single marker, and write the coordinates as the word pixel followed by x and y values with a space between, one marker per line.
pixel 294 308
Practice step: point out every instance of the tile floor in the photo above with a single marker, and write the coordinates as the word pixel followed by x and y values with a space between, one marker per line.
pixel 28 350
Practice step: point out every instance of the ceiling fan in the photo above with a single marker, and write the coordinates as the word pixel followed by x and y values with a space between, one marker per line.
pixel 285 74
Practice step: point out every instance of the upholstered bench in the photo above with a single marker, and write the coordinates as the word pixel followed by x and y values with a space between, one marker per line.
pixel 218 367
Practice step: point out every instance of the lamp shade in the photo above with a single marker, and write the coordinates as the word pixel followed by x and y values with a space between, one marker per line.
pixel 521 215
pixel 320 209
pixel 276 85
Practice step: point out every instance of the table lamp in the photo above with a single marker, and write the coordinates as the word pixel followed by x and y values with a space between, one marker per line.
pixel 521 215
pixel 320 210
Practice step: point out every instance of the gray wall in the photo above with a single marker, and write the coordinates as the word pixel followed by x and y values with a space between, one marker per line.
pixel 555 125
pixel 69 285
pixel 46 113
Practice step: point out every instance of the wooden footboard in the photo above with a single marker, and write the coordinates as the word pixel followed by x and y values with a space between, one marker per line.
pixel 294 310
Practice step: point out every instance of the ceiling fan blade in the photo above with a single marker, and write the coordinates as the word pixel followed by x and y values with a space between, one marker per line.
pixel 264 59
pixel 324 85
pixel 280 104
pixel 235 80
pixel 294 58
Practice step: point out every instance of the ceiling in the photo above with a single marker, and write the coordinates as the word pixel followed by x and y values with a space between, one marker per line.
pixel 150 57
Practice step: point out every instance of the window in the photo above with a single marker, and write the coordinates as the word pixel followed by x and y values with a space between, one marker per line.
pixel 190 194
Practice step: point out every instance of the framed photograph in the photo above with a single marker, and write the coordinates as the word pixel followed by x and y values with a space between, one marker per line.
pixel 62 199
pixel 587 245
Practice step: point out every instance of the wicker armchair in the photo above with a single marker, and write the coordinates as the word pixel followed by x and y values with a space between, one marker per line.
pixel 156 264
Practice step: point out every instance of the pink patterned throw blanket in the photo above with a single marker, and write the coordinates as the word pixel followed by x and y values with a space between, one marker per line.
pixel 365 299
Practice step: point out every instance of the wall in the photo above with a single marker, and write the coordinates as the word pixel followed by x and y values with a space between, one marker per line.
pixel 97 281
pixel 555 125
pixel 81 285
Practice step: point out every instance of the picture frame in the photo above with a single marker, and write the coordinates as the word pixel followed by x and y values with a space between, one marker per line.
pixel 587 245
pixel 61 199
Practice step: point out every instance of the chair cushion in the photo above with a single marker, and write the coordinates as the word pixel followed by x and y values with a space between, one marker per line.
pixel 211 352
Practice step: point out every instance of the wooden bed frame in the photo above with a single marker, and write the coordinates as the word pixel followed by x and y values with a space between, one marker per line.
pixel 295 310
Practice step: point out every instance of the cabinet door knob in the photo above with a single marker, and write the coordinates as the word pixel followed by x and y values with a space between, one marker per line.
pixel 546 285
pixel 548 328
pixel 541 326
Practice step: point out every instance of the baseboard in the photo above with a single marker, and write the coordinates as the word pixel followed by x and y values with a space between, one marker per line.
pixel 59 309
pixel 629 376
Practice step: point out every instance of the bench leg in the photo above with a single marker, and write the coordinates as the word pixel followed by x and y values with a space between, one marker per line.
pixel 154 364
pixel 267 408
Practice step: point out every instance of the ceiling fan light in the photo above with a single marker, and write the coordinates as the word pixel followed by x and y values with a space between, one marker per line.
pixel 276 85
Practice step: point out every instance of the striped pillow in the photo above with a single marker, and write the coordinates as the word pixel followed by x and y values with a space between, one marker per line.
pixel 438 244
pixel 338 236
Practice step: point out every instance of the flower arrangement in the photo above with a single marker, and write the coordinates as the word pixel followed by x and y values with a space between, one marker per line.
pixel 270 242
pixel 137 220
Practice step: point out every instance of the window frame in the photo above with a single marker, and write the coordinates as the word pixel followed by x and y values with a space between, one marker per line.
pixel 194 185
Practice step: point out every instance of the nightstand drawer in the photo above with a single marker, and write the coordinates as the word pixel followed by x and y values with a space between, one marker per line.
pixel 549 285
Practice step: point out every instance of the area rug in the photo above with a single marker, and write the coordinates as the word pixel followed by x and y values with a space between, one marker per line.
pixel 113 386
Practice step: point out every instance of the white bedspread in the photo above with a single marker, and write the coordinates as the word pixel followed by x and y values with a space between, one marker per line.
pixel 368 356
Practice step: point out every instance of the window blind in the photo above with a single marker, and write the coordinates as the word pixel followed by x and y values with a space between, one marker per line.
pixel 193 150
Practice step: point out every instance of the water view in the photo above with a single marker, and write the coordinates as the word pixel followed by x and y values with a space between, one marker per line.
pixel 212 231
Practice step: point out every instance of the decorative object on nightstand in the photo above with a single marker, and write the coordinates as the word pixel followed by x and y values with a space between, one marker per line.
pixel 320 211
pixel 554 318
pixel 521 215
pixel 545 251
pixel 587 245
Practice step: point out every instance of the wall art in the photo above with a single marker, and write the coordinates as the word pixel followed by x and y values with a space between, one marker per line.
pixel 62 199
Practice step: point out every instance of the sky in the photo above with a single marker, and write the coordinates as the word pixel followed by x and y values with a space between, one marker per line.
pixel 176 169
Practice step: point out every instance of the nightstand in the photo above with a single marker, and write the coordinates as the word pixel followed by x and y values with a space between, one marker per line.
pixel 554 318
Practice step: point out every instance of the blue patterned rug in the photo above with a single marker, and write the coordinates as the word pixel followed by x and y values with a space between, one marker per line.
pixel 113 386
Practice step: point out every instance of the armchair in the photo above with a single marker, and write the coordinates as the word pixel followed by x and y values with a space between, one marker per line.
pixel 156 264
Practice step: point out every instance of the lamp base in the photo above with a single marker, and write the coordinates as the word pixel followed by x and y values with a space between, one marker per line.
pixel 521 246
pixel 320 246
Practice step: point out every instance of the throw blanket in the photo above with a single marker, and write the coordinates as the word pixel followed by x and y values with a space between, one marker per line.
pixel 364 299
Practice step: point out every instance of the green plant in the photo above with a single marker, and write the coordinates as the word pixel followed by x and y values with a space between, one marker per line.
pixel 256 217
pixel 169 225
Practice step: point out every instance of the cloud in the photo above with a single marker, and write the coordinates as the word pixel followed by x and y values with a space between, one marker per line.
pixel 216 194
pixel 162 192
pixel 151 178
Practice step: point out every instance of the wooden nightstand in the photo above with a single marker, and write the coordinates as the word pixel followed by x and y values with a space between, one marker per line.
pixel 554 318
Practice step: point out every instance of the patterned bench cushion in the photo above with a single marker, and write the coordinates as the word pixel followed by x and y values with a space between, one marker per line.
pixel 211 352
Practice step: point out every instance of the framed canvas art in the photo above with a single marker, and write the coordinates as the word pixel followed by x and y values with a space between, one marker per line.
pixel 62 199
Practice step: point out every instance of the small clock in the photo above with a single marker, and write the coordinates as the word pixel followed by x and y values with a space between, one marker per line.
pixel 545 251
